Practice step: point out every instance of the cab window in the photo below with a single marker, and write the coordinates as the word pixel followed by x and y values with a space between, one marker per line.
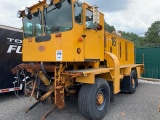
pixel 78 14
pixel 89 19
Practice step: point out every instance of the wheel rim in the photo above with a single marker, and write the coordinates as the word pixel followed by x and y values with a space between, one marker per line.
pixel 101 99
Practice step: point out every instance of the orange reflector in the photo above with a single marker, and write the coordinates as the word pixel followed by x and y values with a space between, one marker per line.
pixel 78 50
pixel 80 39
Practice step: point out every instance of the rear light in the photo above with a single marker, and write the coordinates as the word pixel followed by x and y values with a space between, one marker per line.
pixel 27 11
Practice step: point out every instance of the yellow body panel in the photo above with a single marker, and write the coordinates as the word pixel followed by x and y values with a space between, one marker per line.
pixel 89 78
pixel 46 51
pixel 89 74
pixel 121 47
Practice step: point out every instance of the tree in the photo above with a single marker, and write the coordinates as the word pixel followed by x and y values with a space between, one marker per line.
pixel 153 35
pixel 109 28
pixel 133 37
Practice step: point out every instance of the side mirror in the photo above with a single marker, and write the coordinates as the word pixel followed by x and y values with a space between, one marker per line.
pixel 95 15
pixel 80 3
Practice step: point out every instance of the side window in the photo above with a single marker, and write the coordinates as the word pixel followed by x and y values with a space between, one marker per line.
pixel 78 13
pixel 89 19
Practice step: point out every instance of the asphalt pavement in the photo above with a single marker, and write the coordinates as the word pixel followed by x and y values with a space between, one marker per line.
pixel 142 105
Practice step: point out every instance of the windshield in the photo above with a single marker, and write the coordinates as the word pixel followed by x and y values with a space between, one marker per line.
pixel 58 18
pixel 32 25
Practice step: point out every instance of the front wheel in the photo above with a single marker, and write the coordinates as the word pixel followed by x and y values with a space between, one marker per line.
pixel 94 100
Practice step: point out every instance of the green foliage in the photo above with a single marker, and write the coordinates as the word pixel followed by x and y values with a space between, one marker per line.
pixel 153 35
pixel 133 37
pixel 109 28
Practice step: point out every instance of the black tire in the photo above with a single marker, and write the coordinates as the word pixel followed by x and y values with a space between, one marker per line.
pixel 133 81
pixel 88 103
pixel 111 91
pixel 129 83
pixel 136 78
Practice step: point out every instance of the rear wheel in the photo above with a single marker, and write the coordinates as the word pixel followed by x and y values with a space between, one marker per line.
pixel 93 100
pixel 129 83
pixel 133 80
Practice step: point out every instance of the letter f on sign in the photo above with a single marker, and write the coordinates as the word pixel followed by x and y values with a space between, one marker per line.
pixel 11 47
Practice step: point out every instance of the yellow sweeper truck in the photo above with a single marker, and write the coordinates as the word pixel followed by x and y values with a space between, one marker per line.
pixel 67 52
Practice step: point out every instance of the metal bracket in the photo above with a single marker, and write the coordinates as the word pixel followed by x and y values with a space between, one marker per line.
pixel 41 99
pixel 59 87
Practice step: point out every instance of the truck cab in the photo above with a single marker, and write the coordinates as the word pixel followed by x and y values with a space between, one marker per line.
pixel 63 31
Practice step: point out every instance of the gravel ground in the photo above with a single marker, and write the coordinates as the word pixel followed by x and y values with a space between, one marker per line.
pixel 143 105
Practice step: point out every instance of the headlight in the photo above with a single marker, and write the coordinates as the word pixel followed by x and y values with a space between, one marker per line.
pixel 80 3
pixel 19 14
pixel 27 11
pixel 49 2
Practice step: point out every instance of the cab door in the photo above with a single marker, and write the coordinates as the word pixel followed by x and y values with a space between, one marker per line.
pixel 78 33
pixel 94 40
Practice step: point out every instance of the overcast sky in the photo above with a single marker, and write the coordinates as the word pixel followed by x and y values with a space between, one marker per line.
pixel 126 15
